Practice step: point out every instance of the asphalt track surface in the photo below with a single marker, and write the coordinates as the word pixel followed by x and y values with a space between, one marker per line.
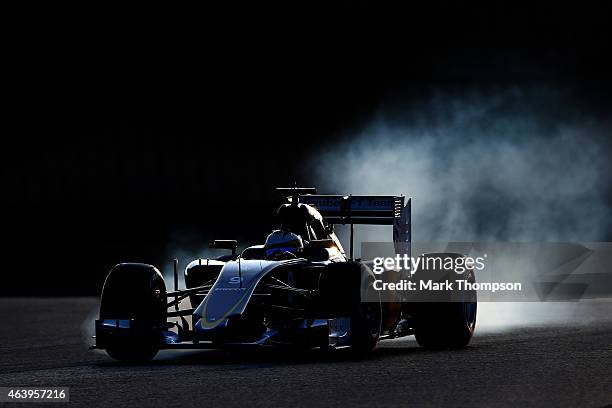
pixel 43 343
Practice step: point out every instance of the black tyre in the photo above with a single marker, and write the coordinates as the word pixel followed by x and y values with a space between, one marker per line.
pixel 138 292
pixel 441 325
pixel 347 290
pixel 367 317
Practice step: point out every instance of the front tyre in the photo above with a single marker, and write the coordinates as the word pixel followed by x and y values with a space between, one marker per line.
pixel 347 291
pixel 136 293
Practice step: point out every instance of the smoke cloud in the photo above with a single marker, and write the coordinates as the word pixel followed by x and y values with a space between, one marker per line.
pixel 519 165
pixel 515 166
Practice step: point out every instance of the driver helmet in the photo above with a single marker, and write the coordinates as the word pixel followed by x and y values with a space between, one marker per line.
pixel 279 242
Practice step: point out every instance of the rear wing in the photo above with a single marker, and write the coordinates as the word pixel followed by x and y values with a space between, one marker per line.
pixel 372 210
pixel 375 210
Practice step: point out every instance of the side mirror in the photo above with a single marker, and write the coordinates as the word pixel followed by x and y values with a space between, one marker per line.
pixel 225 244
pixel 329 229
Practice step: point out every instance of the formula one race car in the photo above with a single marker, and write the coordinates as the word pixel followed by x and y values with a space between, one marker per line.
pixel 297 289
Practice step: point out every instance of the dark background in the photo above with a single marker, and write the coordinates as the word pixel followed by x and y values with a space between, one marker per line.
pixel 124 128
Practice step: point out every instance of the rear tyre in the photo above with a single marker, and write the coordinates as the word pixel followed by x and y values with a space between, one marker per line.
pixel 138 292
pixel 443 325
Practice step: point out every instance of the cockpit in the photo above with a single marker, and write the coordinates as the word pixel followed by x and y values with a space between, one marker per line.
pixel 302 221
